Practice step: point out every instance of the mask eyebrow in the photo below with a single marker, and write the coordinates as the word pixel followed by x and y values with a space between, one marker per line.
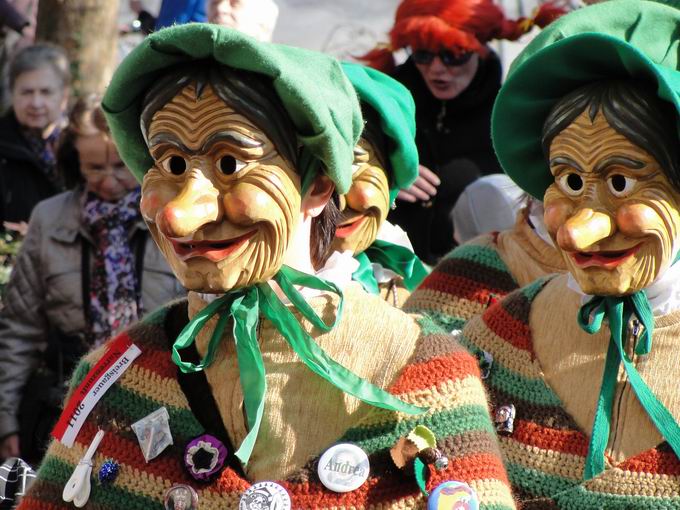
pixel 167 138
pixel 233 137
pixel 631 163
pixel 564 160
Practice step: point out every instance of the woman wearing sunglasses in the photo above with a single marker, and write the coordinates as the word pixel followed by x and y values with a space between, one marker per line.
pixel 454 78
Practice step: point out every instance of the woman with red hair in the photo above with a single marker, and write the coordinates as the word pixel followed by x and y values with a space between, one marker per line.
pixel 454 78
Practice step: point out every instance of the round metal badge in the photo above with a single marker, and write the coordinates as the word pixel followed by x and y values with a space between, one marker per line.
pixel 181 497
pixel 265 496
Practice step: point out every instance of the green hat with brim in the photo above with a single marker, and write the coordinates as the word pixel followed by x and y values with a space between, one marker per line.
pixel 614 39
pixel 312 88
pixel 394 104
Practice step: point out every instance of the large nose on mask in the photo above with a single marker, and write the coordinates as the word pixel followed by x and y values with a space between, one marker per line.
pixel 196 205
pixel 585 228
pixel 361 196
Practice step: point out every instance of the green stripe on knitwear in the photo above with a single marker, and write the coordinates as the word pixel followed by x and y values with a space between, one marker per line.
pixel 578 498
pixel 124 402
pixel 537 483
pixel 512 383
pixel 529 390
pixel 531 291
pixel 157 317
pixel 446 322
pixel 57 472
pixel 467 418
pixel 428 326
pixel 79 374
pixel 494 506
pixel 479 254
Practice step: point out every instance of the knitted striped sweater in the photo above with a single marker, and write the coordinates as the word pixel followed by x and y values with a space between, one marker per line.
pixel 545 454
pixel 478 273
pixel 440 375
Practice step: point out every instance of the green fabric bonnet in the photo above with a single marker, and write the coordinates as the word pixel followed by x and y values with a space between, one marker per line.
pixel 617 38
pixel 394 104
pixel 311 86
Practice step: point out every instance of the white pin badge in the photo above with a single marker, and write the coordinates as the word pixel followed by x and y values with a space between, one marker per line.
pixel 343 467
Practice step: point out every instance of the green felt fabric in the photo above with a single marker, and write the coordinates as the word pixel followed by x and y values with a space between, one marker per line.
pixel 617 38
pixel 394 104
pixel 312 87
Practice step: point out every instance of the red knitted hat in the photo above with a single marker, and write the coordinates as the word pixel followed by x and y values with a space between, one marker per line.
pixel 457 25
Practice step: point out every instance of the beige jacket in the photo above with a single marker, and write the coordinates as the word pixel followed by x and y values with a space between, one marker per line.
pixel 44 294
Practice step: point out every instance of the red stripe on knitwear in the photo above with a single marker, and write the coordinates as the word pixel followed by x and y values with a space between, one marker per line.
pixel 653 461
pixel 507 327
pixel 159 362
pixel 480 466
pixel 465 288
pixel 434 371
pixel 564 441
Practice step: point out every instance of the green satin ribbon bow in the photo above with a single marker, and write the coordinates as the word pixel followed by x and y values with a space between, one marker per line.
pixel 244 307
pixel 619 310
pixel 391 256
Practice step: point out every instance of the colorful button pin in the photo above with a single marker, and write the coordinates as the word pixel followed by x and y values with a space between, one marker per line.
pixel 452 494
pixel 204 457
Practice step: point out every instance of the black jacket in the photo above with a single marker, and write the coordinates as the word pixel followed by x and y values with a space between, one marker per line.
pixel 454 141
pixel 23 183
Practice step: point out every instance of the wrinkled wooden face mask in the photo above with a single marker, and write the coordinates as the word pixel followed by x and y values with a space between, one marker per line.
pixel 612 211
pixel 220 201
pixel 366 204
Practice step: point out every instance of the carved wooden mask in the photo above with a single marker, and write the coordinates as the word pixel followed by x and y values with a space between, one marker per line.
pixel 220 201
pixel 366 203
pixel 611 210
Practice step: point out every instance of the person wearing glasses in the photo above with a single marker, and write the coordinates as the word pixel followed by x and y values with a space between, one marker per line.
pixel 454 77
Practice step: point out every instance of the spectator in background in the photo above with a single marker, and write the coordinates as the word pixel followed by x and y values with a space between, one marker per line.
pixel 178 12
pixel 454 78
pixel 87 269
pixel 38 79
pixel 490 204
pixel 256 18
pixel 172 12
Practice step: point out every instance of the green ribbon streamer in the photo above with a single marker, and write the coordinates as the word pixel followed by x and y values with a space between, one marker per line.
pixel 420 472
pixel 364 275
pixel 398 259
pixel 619 310
pixel 244 307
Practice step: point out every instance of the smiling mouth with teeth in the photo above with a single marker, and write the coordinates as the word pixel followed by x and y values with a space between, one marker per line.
pixel 211 249
pixel 604 259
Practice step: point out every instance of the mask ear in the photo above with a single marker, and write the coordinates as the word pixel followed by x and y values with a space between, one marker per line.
pixel 317 196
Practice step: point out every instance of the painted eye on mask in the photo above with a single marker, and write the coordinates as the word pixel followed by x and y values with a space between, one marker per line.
pixel 229 165
pixel 621 185
pixel 176 165
pixel 571 184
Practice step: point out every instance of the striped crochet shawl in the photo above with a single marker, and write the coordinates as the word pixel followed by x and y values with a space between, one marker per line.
pixel 463 284
pixel 545 454
pixel 441 375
